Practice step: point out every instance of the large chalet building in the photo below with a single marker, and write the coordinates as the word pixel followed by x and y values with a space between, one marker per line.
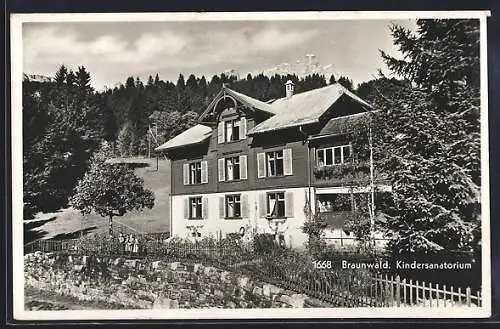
pixel 248 166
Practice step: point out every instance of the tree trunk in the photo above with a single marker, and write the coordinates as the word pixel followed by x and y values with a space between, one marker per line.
pixel 110 224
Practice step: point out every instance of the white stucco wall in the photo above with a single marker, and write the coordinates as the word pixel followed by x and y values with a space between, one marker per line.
pixel 214 226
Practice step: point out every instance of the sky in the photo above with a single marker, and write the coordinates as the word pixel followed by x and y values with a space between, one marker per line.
pixel 113 51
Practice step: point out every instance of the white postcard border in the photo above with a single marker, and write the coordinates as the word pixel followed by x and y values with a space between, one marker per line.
pixel 17 179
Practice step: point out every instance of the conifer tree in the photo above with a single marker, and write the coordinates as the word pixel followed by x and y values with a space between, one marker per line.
pixel 431 135
pixel 82 79
pixel 60 76
pixel 150 81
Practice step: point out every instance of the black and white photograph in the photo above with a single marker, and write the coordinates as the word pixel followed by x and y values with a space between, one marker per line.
pixel 250 165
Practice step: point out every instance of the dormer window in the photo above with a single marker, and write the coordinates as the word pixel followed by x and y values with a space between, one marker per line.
pixel 232 130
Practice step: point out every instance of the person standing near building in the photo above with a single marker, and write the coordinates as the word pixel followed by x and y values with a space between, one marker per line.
pixel 121 242
pixel 135 247
pixel 128 244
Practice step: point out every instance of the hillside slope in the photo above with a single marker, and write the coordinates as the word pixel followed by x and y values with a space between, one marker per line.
pixel 70 223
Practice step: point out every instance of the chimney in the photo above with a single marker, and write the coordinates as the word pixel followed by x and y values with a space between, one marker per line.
pixel 289 88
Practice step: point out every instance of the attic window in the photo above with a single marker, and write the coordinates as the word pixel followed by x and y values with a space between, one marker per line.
pixel 232 130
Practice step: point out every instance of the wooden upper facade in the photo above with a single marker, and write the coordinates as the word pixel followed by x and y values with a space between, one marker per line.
pixel 227 154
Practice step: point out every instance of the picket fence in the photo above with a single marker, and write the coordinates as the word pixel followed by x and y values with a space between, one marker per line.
pixel 339 288
pixel 348 290
pixel 405 292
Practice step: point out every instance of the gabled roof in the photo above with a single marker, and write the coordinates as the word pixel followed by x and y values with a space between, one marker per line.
pixel 255 103
pixel 244 99
pixel 344 124
pixel 193 135
pixel 300 109
pixel 304 108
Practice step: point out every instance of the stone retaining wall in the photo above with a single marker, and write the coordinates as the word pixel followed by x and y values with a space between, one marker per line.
pixel 140 284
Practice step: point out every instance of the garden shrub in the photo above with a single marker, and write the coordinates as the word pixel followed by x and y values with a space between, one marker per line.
pixel 233 236
pixel 352 254
pixel 264 244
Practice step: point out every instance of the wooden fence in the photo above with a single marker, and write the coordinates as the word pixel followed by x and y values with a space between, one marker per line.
pixel 401 292
pixel 81 244
pixel 52 245
pixel 348 290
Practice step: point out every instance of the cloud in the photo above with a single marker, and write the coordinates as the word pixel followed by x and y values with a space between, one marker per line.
pixel 106 45
pixel 52 44
pixel 273 39
pixel 243 44
pixel 141 51
pixel 112 54
pixel 48 41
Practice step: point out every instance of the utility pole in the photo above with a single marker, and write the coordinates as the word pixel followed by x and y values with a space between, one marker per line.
pixel 372 185
pixel 149 142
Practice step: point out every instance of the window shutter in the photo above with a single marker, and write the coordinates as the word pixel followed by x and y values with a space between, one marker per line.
pixel 243 167
pixel 204 208
pixel 220 132
pixel 287 162
pixel 243 128
pixel 204 172
pixel 262 205
pixel 222 170
pixel 185 171
pixel 186 208
pixel 244 206
pixel 261 165
pixel 288 204
pixel 222 208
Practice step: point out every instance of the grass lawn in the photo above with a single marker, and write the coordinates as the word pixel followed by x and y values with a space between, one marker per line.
pixel 69 222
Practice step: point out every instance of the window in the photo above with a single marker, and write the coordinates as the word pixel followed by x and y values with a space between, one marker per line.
pixel 274 163
pixel 334 202
pixel 195 208
pixel 233 206
pixel 276 204
pixel 232 129
pixel 233 168
pixel 195 173
pixel 333 155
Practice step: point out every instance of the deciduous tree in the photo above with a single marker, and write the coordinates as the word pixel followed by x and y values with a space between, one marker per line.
pixel 110 190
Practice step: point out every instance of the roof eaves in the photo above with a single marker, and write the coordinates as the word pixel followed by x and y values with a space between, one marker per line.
pixel 355 97
pixel 346 117
pixel 258 104
pixel 159 148
pixel 256 130
pixel 209 107
pixel 200 141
